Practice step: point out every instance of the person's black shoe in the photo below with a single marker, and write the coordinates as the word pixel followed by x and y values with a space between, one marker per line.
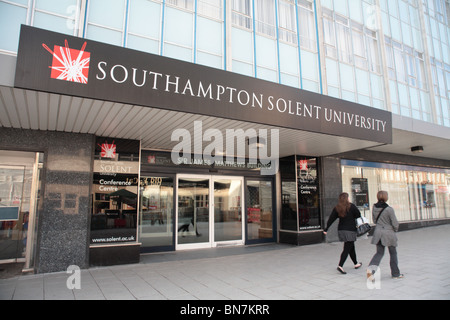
pixel 341 270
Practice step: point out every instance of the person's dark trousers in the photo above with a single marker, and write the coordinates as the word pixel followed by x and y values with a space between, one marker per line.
pixel 395 272
pixel 349 249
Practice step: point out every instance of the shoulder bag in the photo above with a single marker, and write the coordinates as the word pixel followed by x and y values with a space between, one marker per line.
pixel 362 226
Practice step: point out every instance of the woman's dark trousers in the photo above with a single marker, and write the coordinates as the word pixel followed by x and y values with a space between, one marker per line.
pixel 395 272
pixel 349 249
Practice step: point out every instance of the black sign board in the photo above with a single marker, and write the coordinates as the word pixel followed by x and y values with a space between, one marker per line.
pixel 58 63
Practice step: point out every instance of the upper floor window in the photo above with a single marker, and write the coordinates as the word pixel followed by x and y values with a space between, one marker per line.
pixel 241 14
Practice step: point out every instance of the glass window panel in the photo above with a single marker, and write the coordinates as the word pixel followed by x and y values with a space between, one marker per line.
pixel 185 4
pixel 312 86
pixel 406 34
pixel 22 2
pixel 193 210
pixel 178 27
pixel 396 29
pixel 343 40
pixel 288 59
pixel 290 80
pixel 347 77
pixel 307 30
pixel 210 8
pixel 403 94
pixel 115 16
pixel 63 7
pixel 349 96
pixel 242 45
pixel 287 22
pixel 265 17
pixel 267 74
pixel 241 15
pixel 11 19
pixel 362 81
pixel 289 205
pixel 104 35
pixel 143 44
pixel 156 212
pixel 266 51
pixel 144 18
pixel 227 209
pixel 332 73
pixel 242 68
pixel 209 35
pixel 177 52
pixel 376 85
pixel 355 10
pixel 53 23
pixel 209 60
pixel 341 7
pixel 329 35
pixel 259 210
pixel 310 66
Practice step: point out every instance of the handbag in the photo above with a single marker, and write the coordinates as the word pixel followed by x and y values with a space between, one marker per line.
pixel 362 226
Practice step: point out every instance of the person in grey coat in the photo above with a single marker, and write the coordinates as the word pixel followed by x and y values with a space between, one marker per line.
pixel 384 235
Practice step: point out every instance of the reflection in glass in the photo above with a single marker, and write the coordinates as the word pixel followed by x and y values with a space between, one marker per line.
pixel 12 219
pixel 193 210
pixel 259 210
pixel 156 212
pixel 416 193
pixel 227 210
pixel 289 205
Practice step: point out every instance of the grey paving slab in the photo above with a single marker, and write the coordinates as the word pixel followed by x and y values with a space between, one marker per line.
pixel 265 272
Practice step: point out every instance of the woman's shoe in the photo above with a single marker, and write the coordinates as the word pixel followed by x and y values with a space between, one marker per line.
pixel 358 265
pixel 400 276
pixel 341 270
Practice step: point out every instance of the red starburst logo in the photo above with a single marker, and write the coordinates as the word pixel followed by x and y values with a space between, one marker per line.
pixel 69 64
pixel 108 150
pixel 303 165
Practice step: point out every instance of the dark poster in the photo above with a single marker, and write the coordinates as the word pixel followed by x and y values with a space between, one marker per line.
pixel 308 193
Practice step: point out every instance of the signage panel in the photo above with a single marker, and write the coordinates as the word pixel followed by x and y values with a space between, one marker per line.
pixel 58 63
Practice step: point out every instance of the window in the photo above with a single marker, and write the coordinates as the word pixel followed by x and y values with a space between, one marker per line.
pixel 372 50
pixel 287 22
pixel 265 17
pixel 307 27
pixel 185 4
pixel 106 28
pixel 415 193
pixel 399 61
pixel 144 26
pixel 329 34
pixel 210 8
pixel 59 16
pixel 343 39
pixel 156 212
pixel 359 48
pixel 241 14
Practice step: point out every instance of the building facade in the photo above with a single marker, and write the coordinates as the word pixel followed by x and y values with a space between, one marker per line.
pixel 161 125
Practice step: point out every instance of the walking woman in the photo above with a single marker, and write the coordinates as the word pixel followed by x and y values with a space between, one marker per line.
pixel 347 212
pixel 384 235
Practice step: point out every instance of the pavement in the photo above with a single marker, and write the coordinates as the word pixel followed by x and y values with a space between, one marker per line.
pixel 263 272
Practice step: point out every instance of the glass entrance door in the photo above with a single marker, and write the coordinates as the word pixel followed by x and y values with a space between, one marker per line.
pixel 260 213
pixel 19 184
pixel 209 211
